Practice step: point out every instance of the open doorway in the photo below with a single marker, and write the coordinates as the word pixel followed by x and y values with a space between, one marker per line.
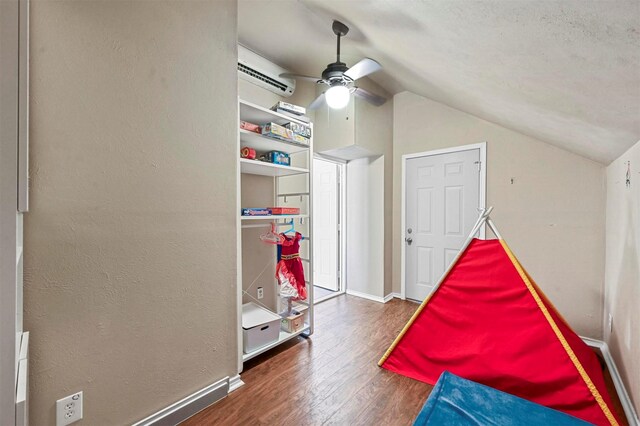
pixel 328 222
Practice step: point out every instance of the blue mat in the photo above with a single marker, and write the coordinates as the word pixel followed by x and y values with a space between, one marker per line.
pixel 455 401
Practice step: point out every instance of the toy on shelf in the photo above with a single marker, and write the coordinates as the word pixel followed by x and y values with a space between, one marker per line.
pixel 248 153
pixel 276 157
pixel 245 125
pixel 284 210
pixel 260 211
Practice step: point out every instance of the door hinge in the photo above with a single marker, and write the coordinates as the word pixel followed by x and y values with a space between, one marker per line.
pixel 479 164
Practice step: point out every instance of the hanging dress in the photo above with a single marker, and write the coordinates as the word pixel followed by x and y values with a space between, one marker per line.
pixel 289 271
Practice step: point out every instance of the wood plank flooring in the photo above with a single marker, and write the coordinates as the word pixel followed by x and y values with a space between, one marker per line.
pixel 331 378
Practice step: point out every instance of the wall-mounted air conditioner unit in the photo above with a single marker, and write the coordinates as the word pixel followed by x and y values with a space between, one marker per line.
pixel 264 73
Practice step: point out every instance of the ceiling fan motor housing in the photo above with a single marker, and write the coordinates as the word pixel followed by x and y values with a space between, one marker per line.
pixel 335 72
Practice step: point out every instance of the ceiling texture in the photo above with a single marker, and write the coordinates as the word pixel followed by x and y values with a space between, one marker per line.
pixel 566 72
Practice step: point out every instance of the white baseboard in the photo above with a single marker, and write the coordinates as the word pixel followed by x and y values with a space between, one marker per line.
pixel 366 296
pixel 187 407
pixel 385 299
pixel 235 382
pixel 625 400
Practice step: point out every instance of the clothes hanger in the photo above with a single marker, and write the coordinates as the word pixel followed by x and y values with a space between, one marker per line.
pixel 272 236
pixel 292 228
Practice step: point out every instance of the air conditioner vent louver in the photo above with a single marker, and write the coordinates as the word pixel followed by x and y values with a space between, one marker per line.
pixel 255 74
pixel 263 73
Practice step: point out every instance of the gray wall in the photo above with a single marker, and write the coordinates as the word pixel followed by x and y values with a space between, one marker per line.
pixel 552 215
pixel 130 243
pixel 10 229
pixel 622 270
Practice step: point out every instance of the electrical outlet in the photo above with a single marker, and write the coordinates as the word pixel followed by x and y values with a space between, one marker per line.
pixel 69 409
pixel 260 292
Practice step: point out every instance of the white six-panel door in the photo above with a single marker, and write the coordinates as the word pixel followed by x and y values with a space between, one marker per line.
pixel 442 197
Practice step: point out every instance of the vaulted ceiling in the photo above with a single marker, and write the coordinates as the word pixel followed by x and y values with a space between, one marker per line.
pixel 564 71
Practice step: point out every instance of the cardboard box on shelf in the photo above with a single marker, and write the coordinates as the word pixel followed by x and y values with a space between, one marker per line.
pixel 284 210
pixel 276 130
pixel 277 157
pixel 294 321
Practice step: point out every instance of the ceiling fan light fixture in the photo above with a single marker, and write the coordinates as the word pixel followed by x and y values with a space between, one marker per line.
pixel 337 97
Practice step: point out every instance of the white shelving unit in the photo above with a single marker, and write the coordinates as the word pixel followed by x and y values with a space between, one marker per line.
pixel 303 156
pixel 259 115
pixel 264 143
pixel 276 217
pixel 284 336
pixel 255 167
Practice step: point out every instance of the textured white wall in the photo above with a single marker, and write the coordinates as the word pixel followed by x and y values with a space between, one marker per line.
pixel 530 66
pixel 130 283
pixel 552 215
pixel 622 270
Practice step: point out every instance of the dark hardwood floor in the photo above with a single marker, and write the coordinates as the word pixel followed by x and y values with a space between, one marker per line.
pixel 331 378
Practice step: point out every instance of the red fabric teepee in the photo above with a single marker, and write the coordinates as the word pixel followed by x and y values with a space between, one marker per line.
pixel 489 322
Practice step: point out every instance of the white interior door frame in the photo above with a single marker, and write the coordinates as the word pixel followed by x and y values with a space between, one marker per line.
pixel 482 147
pixel 342 217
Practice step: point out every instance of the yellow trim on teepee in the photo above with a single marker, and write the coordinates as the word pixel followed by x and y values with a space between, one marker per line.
pixel 404 330
pixel 420 308
pixel 576 362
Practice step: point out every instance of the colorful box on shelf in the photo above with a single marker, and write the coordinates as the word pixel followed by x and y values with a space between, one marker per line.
pixel 296 109
pixel 250 127
pixel 284 210
pixel 277 157
pixel 299 129
pixel 262 211
pixel 300 139
pixel 277 131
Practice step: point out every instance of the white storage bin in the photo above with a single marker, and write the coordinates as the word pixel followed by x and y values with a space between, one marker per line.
pixel 260 327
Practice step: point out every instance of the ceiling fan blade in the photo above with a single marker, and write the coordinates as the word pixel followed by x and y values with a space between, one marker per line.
pixel 364 67
pixel 370 97
pixel 294 76
pixel 317 102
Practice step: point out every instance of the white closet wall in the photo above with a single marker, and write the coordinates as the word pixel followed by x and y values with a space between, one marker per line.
pixel 365 228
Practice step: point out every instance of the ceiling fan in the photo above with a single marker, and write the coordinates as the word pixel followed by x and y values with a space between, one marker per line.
pixel 341 78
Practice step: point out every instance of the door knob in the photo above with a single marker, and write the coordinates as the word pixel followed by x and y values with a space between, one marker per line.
pixel 409 240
